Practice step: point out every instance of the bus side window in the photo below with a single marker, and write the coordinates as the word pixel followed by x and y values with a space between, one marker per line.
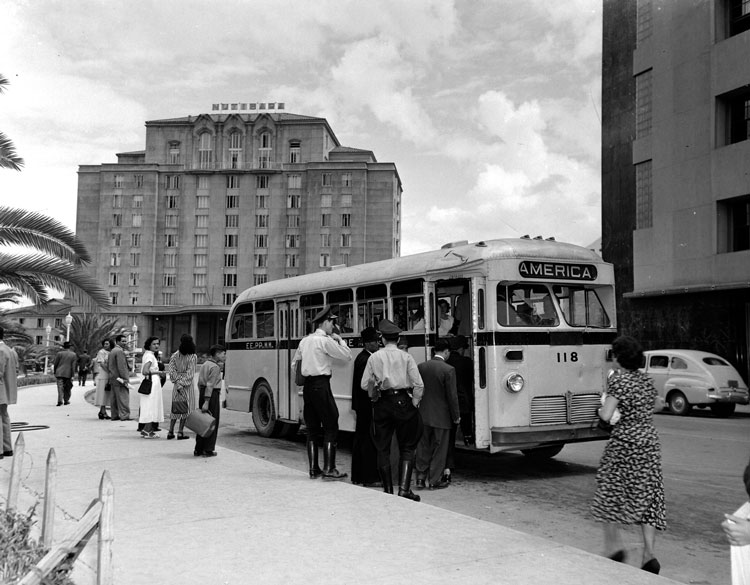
pixel 264 317
pixel 310 305
pixel 341 301
pixel 480 308
pixel 242 322
pixel 371 305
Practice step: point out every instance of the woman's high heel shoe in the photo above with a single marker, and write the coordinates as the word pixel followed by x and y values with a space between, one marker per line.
pixel 652 566
pixel 170 435
pixel 181 435
pixel 101 416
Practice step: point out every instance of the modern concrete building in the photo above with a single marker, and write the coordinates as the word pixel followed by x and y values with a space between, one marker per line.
pixel 676 171
pixel 219 202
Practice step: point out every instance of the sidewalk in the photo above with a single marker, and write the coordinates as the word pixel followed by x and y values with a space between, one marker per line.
pixel 237 519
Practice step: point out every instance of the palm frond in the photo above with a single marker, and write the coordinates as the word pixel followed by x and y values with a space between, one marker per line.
pixel 35 230
pixel 9 158
pixel 88 330
pixel 3 83
pixel 13 332
pixel 10 295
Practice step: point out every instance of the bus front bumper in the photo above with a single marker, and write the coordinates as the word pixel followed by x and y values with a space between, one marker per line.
pixel 515 438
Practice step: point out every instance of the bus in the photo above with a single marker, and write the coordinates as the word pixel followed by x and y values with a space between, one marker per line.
pixel 537 317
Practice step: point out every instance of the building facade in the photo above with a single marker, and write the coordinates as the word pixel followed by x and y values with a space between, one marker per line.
pixel 676 171
pixel 219 202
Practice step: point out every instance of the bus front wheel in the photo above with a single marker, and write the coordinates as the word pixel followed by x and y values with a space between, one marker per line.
pixel 264 411
pixel 541 453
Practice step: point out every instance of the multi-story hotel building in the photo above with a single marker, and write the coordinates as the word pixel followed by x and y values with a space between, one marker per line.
pixel 676 171
pixel 219 202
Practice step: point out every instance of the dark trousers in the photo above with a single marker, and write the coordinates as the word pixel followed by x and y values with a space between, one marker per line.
pixel 207 444
pixel 396 414
pixel 364 454
pixel 82 374
pixel 64 386
pixel 320 410
pixel 120 401
pixel 431 453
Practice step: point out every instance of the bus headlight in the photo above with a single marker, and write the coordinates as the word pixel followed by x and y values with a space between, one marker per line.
pixel 514 382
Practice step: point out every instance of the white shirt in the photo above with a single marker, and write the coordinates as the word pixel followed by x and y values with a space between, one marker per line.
pixel 316 352
pixel 395 369
pixel 446 324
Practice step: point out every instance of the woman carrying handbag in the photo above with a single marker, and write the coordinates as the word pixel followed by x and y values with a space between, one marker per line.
pixel 151 411
pixel 209 398
pixel 181 371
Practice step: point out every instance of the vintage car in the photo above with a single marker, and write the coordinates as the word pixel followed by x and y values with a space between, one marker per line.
pixel 685 378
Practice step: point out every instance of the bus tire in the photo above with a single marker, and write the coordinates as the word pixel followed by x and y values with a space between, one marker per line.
pixel 723 409
pixel 265 417
pixel 542 453
pixel 678 403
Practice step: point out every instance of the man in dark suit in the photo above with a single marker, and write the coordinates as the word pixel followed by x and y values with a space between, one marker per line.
pixel 439 410
pixel 64 366
pixel 364 454
pixel 119 376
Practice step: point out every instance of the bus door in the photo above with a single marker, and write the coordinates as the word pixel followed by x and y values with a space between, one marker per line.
pixel 289 335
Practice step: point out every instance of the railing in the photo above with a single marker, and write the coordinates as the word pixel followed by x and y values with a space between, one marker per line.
pixel 98 519
pixel 256 165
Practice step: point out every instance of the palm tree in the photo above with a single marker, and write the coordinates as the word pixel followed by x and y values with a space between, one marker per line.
pixel 8 157
pixel 88 330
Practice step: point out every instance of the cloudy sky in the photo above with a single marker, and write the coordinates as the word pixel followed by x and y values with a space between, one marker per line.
pixel 489 108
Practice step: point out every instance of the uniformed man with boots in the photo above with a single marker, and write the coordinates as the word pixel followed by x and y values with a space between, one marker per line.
pixel 392 380
pixel 315 354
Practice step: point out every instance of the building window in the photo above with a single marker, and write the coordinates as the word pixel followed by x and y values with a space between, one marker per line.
pixel 137 201
pixel 293 201
pixel 116 201
pixel 167 298
pixel 261 181
pixel 170 260
pixel 229 298
pixel 171 221
pixel 264 151
pixel 644 20
pixel 138 180
pixel 201 201
pixel 58 323
pixel 259 279
pixel 739 16
pixel 325 240
pixel 736 106
pixel 260 261
pixel 346 240
pixel 199 279
pixel 294 151
pixel 230 260
pixel 201 241
pixel 292 240
pixel 326 200
pixel 201 221
pixel 170 279
pixel 133 298
pixel 135 240
pixel 114 259
pixel 325 260
pixel 233 201
pixel 294 181
pixel 345 258
pixel 261 201
pixel 205 152
pixel 326 179
pixel 346 179
pixel 200 260
pixel 346 220
pixel 292 221
pixel 261 240
pixel 133 279
pixel 117 219
pixel 230 280
pixel 114 279
pixel 233 181
pixel 231 240
pixel 643 104
pixel 235 150
pixel 734 224
pixel 325 220
pixel 116 238
pixel 170 240
pixel 173 157
pixel 118 181
pixel 173 181
pixel 643 196
pixel 232 221
pixel 261 221
pixel 203 182
pixel 135 258
pixel 173 201
pixel 39 339
pixel 113 297
pixel 137 219
pixel 346 201
pixel 292 260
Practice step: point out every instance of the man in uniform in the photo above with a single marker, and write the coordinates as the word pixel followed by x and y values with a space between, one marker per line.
pixel 364 455
pixel 316 352
pixel 392 380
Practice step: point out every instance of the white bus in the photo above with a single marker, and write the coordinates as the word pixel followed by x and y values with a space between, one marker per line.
pixel 538 315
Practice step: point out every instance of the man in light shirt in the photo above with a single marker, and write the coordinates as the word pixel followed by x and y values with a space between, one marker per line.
pixel 316 352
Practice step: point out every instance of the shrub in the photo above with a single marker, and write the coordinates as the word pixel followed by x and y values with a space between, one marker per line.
pixel 35 379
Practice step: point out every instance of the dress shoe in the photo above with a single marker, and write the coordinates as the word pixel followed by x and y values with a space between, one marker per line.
pixel 439 485
pixel 66 403
pixel 210 453
pixel 197 453
pixel 652 566
pixel 618 557
pixel 409 495
pixel 59 404
pixel 421 484
pixel 7 453
pixel 446 478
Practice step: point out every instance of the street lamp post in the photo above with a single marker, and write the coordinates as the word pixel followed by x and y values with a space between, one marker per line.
pixel 68 321
pixel 46 353
pixel 135 343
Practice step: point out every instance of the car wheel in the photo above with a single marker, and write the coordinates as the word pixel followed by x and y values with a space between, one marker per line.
pixel 678 404
pixel 723 409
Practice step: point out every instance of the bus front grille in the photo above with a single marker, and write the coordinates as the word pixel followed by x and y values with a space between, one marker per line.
pixel 565 408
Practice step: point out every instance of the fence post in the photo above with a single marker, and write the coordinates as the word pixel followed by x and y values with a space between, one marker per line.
pixel 105 567
pixel 48 517
pixel 15 471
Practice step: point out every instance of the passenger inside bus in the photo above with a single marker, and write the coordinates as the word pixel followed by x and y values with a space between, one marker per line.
pixel 416 319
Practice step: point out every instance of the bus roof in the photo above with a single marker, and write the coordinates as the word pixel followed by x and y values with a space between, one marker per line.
pixel 446 259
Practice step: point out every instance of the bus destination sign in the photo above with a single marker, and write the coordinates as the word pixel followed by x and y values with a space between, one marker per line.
pixel 557 271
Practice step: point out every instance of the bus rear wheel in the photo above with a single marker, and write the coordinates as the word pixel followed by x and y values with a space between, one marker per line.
pixel 265 418
pixel 542 453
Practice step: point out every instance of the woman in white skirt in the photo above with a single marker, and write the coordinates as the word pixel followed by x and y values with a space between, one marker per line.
pixel 103 396
pixel 152 406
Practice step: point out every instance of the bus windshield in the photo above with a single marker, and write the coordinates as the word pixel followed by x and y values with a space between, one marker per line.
pixel 525 305
pixel 581 306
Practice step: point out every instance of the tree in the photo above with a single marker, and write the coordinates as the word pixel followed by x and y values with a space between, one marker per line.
pixel 14 333
pixel 8 157
pixel 88 330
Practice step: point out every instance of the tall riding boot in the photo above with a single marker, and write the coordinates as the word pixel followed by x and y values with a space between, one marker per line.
pixel 386 476
pixel 404 488
pixel 329 463
pixel 312 457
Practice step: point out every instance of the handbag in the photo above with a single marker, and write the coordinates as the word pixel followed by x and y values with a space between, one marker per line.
pixel 201 423
pixel 299 379
pixel 145 387
pixel 179 407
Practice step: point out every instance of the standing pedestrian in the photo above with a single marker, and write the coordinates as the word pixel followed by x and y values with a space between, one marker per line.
pixel 8 391
pixel 393 383
pixel 364 454
pixel 103 395
pixel 209 398
pixel 84 364
pixel 737 530
pixel 151 411
pixel 439 412
pixel 181 371
pixel 630 488
pixel 316 353
pixel 119 379
pixel 465 388
pixel 64 367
